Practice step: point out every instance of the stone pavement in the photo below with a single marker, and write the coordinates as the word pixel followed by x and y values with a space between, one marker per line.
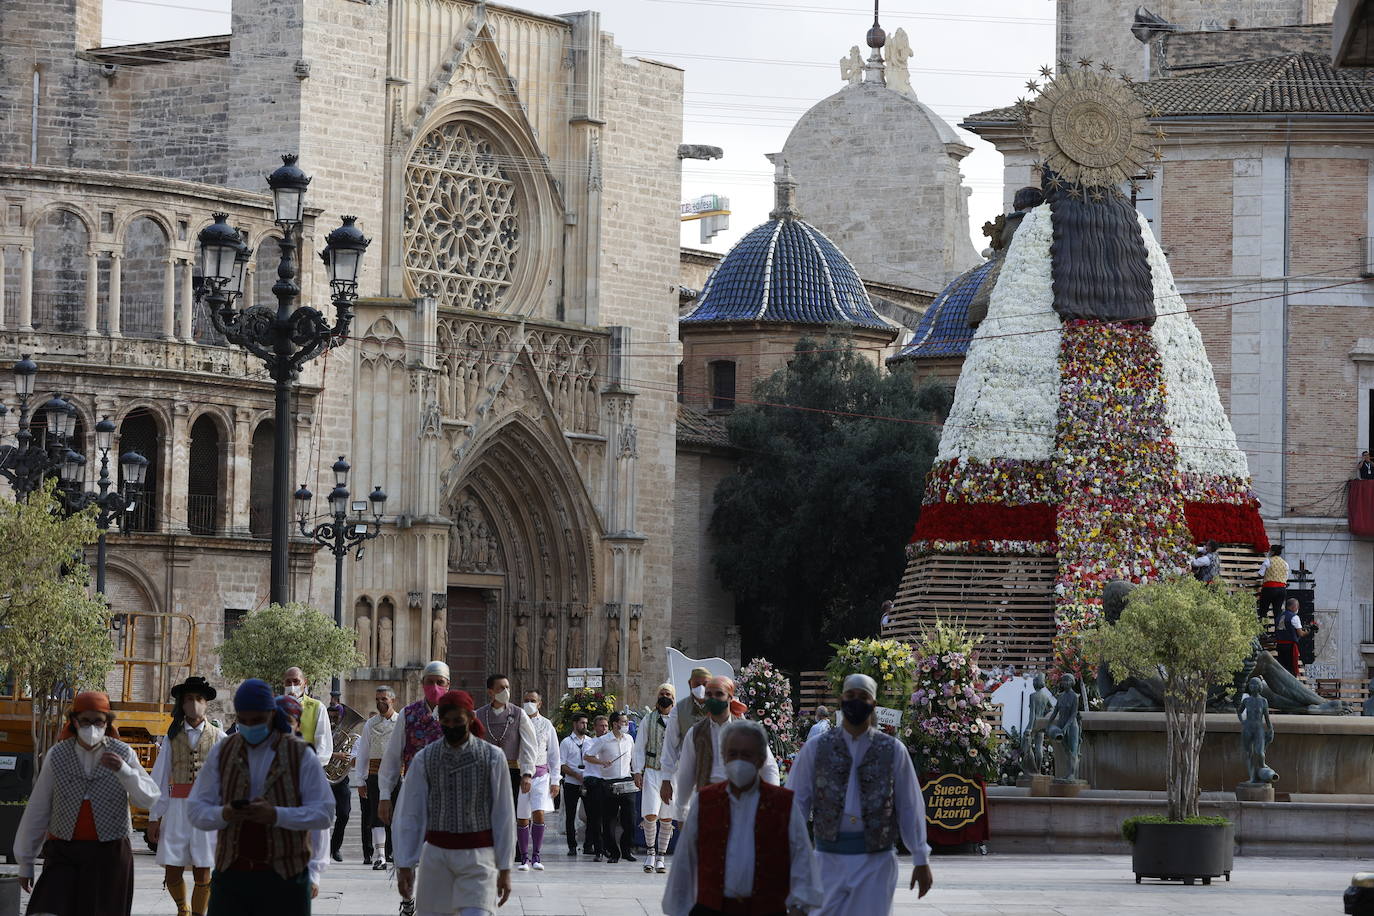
pixel 964 885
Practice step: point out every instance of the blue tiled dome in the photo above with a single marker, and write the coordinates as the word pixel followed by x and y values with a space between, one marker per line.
pixel 944 329
pixel 786 270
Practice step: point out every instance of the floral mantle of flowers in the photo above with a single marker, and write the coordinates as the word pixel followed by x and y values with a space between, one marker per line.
pixel 949 699
pixel 889 662
pixel 587 701
pixel 768 694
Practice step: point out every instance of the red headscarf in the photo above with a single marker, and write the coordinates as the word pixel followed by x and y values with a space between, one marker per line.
pixel 90 700
pixel 460 699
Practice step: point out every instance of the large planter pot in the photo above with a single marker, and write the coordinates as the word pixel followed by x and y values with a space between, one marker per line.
pixel 1183 852
pixel 9 826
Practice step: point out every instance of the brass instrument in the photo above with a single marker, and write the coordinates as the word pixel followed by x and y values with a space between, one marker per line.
pixel 346 737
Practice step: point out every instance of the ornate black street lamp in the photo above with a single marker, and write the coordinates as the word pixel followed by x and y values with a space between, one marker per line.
pixel 340 534
pixel 113 504
pixel 26 464
pixel 285 337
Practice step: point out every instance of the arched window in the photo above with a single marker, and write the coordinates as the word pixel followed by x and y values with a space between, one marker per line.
pixel 60 246
pixel 462 218
pixel 139 432
pixel 143 279
pixel 260 481
pixel 722 385
pixel 203 489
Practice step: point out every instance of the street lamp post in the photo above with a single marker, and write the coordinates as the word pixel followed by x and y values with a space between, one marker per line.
pixel 112 504
pixel 26 464
pixel 340 534
pixel 286 337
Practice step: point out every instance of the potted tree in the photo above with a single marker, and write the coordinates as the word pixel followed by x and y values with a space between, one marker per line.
pixel 1186 636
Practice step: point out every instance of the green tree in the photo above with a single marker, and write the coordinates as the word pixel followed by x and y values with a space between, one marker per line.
pixel 280 636
pixel 54 635
pixel 1190 636
pixel 811 529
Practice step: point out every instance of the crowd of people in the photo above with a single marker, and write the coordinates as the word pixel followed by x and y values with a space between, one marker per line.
pixel 455 797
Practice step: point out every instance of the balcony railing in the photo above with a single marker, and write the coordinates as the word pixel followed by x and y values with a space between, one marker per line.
pixel 202 513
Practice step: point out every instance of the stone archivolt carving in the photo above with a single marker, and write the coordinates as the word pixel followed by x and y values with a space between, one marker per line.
pixel 462 220
pixel 472 545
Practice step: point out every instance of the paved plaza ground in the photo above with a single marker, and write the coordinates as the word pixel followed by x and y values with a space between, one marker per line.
pixel 972 885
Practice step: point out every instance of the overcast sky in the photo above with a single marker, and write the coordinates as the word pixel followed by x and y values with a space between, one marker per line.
pixel 753 67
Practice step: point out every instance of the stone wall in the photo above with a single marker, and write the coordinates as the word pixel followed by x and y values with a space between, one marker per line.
pixel 1323 406
pixel 1329 210
pixel 702 607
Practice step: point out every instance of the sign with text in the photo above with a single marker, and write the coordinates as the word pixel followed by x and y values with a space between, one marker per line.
pixel 956 809
pixel 887 716
pixel 8 763
pixel 584 677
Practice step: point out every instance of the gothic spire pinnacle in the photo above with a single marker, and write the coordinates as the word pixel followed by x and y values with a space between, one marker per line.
pixel 784 189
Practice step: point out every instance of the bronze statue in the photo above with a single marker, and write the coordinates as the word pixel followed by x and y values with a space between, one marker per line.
pixel 1256 733
pixel 1066 724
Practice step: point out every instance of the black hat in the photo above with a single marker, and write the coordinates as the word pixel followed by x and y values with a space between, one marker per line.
pixel 196 685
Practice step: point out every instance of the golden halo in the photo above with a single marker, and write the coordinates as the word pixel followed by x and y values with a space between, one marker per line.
pixel 1091 128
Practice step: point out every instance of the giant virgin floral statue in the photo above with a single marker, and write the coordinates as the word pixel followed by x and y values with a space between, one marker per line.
pixel 1086 423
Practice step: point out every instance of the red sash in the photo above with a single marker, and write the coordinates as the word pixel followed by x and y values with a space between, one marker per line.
pixel 180 789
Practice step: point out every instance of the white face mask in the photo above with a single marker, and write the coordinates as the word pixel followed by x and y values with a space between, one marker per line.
pixel 91 735
pixel 503 696
pixel 699 691
pixel 531 709
pixel 741 773
pixel 295 690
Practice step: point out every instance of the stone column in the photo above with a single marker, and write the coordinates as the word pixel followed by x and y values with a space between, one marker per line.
pixel 187 331
pixel 2 287
pixel 116 291
pixel 169 299
pixel 26 287
pixel 239 486
pixel 92 292
pixel 179 478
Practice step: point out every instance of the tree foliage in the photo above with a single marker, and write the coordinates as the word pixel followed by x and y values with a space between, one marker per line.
pixel 54 635
pixel 811 528
pixel 281 636
pixel 1190 636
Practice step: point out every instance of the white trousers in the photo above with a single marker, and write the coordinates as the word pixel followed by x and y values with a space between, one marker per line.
pixel 650 803
pixel 860 885
pixel 451 881
pixel 536 799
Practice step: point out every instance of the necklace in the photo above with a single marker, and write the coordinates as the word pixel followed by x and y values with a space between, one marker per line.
pixel 495 738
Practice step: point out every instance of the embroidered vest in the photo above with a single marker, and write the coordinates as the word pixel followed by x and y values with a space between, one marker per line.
pixel 688 715
pixel 772 852
pixel 286 851
pixel 877 787
pixel 459 782
pixel 657 724
pixel 187 760
pixel 1278 571
pixel 706 749
pixel 422 729
pixel 380 735
pixel 71 787
pixel 311 711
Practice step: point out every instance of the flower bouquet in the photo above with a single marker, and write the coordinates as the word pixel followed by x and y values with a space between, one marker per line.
pixel 949 698
pixel 587 701
pixel 768 694
pixel 888 661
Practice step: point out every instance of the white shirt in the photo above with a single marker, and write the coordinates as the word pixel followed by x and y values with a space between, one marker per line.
pixel 571 753
pixel 680 894
pixel 820 728
pixel 548 755
pixel 316 810
pixel 389 773
pixel 162 769
pixel 615 754
pixel 593 769
pixel 685 783
pixel 33 826
pixel 672 744
pixel 359 775
pixel 412 812
pixel 907 803
pixel 646 724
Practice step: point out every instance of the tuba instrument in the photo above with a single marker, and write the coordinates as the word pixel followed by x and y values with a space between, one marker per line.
pixel 346 737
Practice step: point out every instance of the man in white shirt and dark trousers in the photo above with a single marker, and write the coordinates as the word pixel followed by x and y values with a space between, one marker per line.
pixel 371 747
pixel 860 787
pixel 573 767
pixel 613 752
pixel 594 794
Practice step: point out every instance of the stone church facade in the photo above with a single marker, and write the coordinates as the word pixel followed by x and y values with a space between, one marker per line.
pixel 509 380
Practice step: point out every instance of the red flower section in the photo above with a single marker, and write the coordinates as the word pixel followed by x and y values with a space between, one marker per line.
pixel 985 522
pixel 1226 523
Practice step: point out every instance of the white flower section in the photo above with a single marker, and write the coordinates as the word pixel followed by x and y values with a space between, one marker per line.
pixel 1007 398
pixel 1192 408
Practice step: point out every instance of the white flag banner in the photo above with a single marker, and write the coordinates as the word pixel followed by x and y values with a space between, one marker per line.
pixel 680 669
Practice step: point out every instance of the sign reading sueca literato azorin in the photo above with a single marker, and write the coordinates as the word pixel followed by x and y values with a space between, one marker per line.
pixel 956 809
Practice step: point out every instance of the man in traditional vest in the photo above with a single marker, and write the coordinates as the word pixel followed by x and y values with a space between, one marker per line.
pixel 315 728
pixel 732 858
pixel 859 787
pixel 456 819
pixel 1273 575
pixel 371 745
pixel 78 815
pixel 647 767
pixel 687 712
pixel 189 741
pixel 508 728
pixel 264 791
pixel 700 762
pixel 538 801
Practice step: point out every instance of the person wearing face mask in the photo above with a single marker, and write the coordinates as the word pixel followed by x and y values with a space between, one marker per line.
pixel 179 845
pixel 290 708
pixel 456 820
pixel 574 769
pixel 859 787
pixel 509 728
pixel 688 711
pixel 593 798
pixel 647 766
pixel 371 745
pixel 264 791
pixel 700 762
pixel 315 728
pixel 613 752
pixel 78 816
pixel 731 856
pixel 419 726
pixel 535 803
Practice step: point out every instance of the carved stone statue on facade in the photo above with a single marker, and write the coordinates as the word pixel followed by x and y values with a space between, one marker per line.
pixel 610 649
pixel 522 643
pixel 363 625
pixel 897 72
pixel 549 646
pixel 384 642
pixel 852 67
pixel 636 660
pixel 1256 733
pixel 575 639
pixel 439 634
pixel 1033 738
pixel 1066 725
